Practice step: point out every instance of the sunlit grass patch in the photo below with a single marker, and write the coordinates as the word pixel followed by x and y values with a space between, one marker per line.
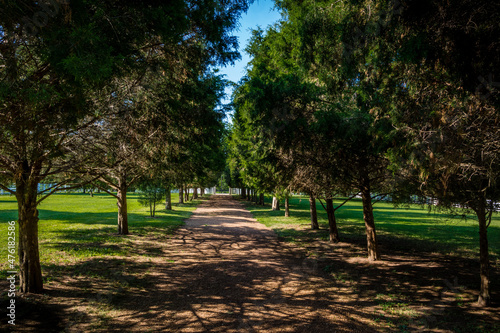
pixel 76 226
pixel 412 228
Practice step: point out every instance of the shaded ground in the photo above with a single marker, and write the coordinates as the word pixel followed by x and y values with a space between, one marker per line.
pixel 230 274
pixel 224 272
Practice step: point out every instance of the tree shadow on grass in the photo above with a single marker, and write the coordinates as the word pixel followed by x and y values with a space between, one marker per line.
pixel 7 215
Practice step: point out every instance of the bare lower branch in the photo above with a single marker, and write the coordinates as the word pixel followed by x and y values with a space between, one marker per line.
pixel 321 202
pixel 346 200
pixel 5 188
pixel 108 182
pixel 105 190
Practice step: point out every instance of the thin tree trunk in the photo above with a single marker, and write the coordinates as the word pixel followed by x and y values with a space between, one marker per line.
pixel 150 208
pixel 261 199
pixel 287 207
pixel 243 193
pixel 186 194
pixel 484 261
pixel 30 271
pixel 122 206
pixel 371 236
pixel 332 221
pixel 276 204
pixel 168 199
pixel 202 191
pixel 195 193
pixel 314 213
pixel 181 195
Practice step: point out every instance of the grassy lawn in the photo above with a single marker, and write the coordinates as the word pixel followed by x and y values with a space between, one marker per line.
pixel 405 229
pixel 76 226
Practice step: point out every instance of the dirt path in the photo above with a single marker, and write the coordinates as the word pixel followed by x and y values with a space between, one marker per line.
pixel 225 272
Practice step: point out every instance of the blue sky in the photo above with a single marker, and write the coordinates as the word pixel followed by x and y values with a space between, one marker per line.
pixel 260 14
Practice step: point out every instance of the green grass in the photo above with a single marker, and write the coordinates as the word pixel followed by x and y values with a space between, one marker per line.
pixel 412 228
pixel 77 226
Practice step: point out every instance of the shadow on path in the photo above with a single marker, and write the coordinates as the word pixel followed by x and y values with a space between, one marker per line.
pixel 225 272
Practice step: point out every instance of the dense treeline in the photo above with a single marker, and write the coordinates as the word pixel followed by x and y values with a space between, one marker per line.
pixel 374 98
pixel 109 93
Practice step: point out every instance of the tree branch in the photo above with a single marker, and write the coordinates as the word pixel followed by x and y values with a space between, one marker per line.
pixel 321 202
pixel 105 190
pixel 5 188
pixel 345 201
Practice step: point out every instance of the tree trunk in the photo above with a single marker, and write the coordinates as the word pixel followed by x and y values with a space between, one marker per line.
pixel 181 195
pixel 332 221
pixel 122 206
pixel 276 204
pixel 30 271
pixel 150 208
pixel 314 213
pixel 287 207
pixel 371 236
pixel 168 199
pixel 202 191
pixel 195 193
pixel 261 199
pixel 243 193
pixel 484 261
pixel 186 194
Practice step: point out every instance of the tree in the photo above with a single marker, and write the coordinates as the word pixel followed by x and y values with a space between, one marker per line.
pixel 451 151
pixel 50 77
pixel 343 53
pixel 151 193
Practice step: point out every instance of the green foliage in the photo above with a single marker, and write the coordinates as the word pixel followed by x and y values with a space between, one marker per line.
pixel 151 193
